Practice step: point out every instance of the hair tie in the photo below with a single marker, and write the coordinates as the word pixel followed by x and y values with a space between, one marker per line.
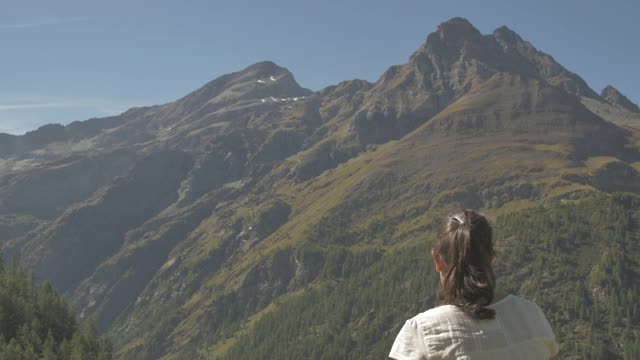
pixel 460 219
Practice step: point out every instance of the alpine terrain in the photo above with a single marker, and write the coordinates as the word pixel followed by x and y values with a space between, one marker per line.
pixel 256 219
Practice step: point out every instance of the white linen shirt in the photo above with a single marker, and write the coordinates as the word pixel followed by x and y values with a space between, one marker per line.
pixel 519 331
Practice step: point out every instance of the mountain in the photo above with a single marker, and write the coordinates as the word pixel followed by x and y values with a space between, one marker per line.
pixel 254 218
pixel 613 106
pixel 615 98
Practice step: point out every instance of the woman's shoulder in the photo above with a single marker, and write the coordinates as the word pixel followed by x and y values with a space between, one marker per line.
pixel 518 301
pixel 438 314
pixel 448 312
pixel 518 309
pixel 437 311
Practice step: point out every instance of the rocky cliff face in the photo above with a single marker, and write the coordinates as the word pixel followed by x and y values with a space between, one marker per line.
pixel 615 98
pixel 177 225
pixel 613 106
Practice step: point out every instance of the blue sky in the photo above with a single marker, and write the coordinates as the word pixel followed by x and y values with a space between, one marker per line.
pixel 70 60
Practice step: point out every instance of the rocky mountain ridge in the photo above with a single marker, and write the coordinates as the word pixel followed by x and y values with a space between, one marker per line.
pixel 615 98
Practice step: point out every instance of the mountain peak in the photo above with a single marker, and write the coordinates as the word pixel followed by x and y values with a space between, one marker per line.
pixel 264 63
pixel 450 37
pixel 260 80
pixel 264 68
pixel 456 30
pixel 267 78
pixel 457 23
pixel 616 98
pixel 506 35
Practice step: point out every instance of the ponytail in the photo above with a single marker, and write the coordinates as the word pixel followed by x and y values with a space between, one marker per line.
pixel 465 244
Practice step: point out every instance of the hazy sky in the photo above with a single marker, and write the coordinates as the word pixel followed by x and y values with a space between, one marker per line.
pixel 72 60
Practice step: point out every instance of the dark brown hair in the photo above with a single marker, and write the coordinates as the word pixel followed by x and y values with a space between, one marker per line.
pixel 465 244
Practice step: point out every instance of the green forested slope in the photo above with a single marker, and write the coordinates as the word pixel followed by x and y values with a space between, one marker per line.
pixel 579 261
pixel 37 323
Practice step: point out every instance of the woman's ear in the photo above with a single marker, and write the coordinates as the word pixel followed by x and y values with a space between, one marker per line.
pixel 437 260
